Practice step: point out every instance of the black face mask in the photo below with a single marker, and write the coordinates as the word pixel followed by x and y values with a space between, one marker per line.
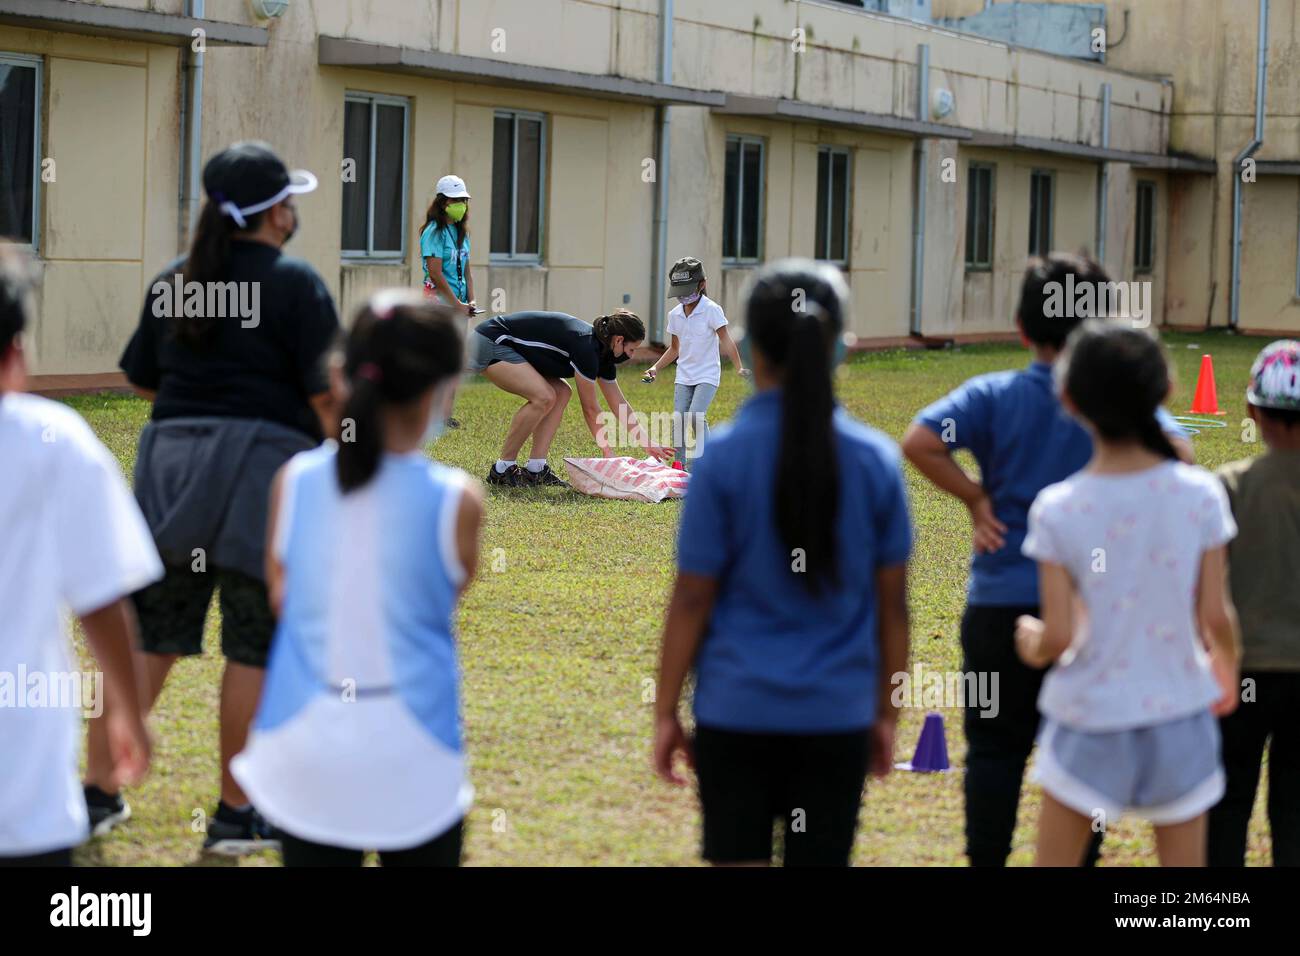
pixel 620 359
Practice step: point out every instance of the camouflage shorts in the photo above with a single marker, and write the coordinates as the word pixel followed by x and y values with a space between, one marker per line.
pixel 173 613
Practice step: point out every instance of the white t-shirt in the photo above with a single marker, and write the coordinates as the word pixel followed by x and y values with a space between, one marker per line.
pixel 73 540
pixel 1132 545
pixel 698 358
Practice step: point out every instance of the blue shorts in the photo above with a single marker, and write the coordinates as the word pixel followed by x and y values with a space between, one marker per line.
pixel 1166 773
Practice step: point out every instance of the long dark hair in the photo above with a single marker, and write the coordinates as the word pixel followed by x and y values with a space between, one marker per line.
pixel 794 315
pixel 400 346
pixel 437 212
pixel 622 322
pixel 1117 378
pixel 208 261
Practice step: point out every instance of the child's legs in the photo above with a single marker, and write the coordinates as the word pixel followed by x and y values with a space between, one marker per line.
pixel 698 410
pixel 998 744
pixel 682 395
pixel 442 850
pixel 299 852
pixel 824 777
pixel 734 772
pixel 1063 834
pixel 1244 733
pixel 247 626
pixel 1284 767
pixel 1182 844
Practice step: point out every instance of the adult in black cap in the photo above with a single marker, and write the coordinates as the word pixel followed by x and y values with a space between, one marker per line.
pixel 231 350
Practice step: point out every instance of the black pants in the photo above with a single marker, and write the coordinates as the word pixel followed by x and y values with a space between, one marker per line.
pixel 442 850
pixel 52 858
pixel 997 748
pixel 1273 714
pixel 809 784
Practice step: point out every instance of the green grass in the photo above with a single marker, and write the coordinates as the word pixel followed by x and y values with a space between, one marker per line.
pixel 559 645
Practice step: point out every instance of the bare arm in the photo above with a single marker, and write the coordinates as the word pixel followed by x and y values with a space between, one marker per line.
pixel 894 627
pixel 274 568
pixel 729 348
pixel 932 457
pixel 327 412
pixel 623 413
pixel 469 281
pixel 1041 642
pixel 148 394
pixel 1220 630
pixel 688 614
pixel 110 635
pixel 591 413
pixel 469 528
pixel 434 265
pixel 668 358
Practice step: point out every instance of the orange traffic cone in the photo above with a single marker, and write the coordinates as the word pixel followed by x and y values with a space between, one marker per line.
pixel 1206 401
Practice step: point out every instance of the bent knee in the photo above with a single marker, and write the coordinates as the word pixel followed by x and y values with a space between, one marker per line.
pixel 561 391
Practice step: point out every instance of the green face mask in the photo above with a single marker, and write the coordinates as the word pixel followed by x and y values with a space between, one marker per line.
pixel 456 211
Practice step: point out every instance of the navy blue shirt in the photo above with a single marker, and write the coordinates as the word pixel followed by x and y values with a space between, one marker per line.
pixel 1023 439
pixel 774 658
pixel 558 345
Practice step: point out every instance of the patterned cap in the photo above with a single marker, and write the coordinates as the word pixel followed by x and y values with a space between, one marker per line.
pixel 1275 377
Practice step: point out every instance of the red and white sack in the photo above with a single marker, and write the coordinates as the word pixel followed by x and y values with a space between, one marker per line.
pixel 628 479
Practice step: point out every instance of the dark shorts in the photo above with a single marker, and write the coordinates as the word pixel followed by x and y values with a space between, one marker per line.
pixel 443 850
pixel 811 784
pixel 482 352
pixel 173 612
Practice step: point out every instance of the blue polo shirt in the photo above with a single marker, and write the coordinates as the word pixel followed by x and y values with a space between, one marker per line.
pixel 1023 439
pixel 774 658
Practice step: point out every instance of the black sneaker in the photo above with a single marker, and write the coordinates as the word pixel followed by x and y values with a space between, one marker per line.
pixel 106 810
pixel 453 423
pixel 544 478
pixel 237 832
pixel 512 477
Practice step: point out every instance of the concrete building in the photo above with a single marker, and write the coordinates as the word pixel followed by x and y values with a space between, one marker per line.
pixel 928 162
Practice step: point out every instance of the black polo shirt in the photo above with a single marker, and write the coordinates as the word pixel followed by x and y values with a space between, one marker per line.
pixel 266 366
pixel 556 344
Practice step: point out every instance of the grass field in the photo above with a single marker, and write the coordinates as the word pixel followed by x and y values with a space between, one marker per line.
pixel 559 646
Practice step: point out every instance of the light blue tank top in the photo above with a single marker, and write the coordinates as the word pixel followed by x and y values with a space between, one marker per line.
pixel 357 738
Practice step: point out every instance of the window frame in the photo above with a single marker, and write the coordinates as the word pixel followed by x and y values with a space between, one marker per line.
pixel 1034 177
pixel 831 152
pixel 375 100
pixel 744 139
pixel 1149 187
pixel 37 63
pixel 513 257
pixel 990 230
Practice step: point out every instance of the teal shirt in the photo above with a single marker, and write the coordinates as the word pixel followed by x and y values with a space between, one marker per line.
pixel 440 243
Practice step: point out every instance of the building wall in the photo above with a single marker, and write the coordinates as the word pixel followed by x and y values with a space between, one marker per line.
pixel 114 118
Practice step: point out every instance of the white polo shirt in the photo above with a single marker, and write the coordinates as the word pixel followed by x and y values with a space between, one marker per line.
pixel 74 541
pixel 698 359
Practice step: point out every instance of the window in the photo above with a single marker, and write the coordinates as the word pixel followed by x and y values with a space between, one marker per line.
pixel 374 201
pixel 1144 247
pixel 980 180
pixel 742 203
pixel 832 205
pixel 20 144
pixel 518 159
pixel 1040 213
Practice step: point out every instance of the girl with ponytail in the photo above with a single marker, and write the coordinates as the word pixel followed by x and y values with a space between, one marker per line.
pixel 372 545
pixel 1138 539
pixel 790 600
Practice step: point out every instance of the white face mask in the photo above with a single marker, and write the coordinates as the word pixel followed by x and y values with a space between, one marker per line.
pixel 689 299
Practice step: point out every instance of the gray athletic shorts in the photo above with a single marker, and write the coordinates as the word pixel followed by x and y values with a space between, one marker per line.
pixel 1167 773
pixel 483 352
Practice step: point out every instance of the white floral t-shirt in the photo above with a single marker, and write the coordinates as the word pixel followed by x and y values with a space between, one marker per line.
pixel 1132 545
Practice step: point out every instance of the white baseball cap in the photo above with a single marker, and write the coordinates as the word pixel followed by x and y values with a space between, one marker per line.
pixel 453 187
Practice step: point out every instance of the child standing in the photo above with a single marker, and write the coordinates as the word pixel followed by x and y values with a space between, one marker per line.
pixel 1136 543
pixel 790 601
pixel 1262 563
pixel 698 330
pixel 1013 424
pixel 73 539
pixel 357 744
